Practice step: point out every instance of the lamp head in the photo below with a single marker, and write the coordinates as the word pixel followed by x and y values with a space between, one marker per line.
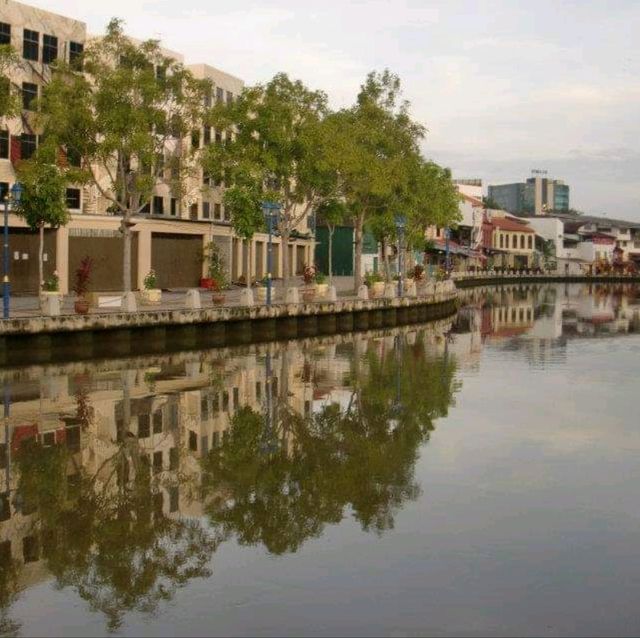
pixel 16 192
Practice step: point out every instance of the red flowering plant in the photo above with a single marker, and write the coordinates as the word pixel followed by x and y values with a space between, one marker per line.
pixel 309 275
pixel 83 276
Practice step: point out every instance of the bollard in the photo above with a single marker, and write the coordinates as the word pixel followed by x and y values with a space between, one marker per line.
pixel 246 297
pixel 192 300
pixel 363 293
pixel 129 303
pixel 292 295
pixel 411 290
pixel 391 290
pixel 332 294
pixel 51 305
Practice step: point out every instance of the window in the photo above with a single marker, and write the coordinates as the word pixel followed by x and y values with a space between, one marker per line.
pixel 161 73
pixel 207 135
pixel 225 214
pixel 73 198
pixel 217 212
pixel 204 408
pixel 225 401
pixel 4 144
pixel 30 549
pixel 174 206
pixel 195 139
pixel 49 48
pixel 146 209
pixel 218 137
pixel 4 191
pixel 206 178
pixel 173 458
pixel 144 426
pixel 76 52
pixel 193 441
pixel 31 45
pixel 530 243
pixel 236 398
pixel 521 241
pixel 229 97
pixel 5 33
pixel 158 205
pixel 174 498
pixel 206 210
pixel 28 145
pixel 207 100
pixel 157 462
pixel 73 157
pixel 157 422
pixel 29 94
pixel 219 95
pixel 193 211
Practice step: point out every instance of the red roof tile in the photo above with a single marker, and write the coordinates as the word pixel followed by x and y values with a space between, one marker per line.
pixel 504 223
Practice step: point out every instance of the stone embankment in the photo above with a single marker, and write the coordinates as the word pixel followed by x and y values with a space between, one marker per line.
pixel 68 337
pixel 466 280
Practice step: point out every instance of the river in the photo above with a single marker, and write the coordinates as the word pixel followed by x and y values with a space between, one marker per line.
pixel 476 475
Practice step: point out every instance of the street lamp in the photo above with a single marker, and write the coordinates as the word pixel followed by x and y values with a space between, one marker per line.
pixel 447 251
pixel 270 210
pixel 401 223
pixel 15 196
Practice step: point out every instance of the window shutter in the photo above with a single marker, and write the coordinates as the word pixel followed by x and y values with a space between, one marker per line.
pixel 16 149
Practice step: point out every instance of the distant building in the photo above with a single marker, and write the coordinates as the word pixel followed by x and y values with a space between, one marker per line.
pixel 538 195
pixel 469 187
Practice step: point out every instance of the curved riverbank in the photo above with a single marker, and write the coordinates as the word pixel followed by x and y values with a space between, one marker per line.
pixel 75 337
pixel 469 281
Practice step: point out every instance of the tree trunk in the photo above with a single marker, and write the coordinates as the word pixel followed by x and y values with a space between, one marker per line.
pixel 358 251
pixel 285 259
pixel 331 230
pixel 247 274
pixel 41 259
pixel 126 264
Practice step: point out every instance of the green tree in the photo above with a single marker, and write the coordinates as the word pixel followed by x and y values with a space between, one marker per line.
pixel 43 202
pixel 333 212
pixel 374 144
pixel 246 217
pixel 276 143
pixel 125 116
pixel 9 97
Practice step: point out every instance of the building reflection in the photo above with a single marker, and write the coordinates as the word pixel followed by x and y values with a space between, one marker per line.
pixel 120 479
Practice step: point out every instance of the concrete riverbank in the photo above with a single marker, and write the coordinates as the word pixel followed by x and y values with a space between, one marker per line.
pixel 484 279
pixel 69 337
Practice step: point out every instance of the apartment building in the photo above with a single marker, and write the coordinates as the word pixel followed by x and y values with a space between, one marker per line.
pixel 538 195
pixel 169 235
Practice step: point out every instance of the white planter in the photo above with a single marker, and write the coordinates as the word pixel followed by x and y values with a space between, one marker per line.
pixel 151 297
pixel 45 295
pixel 321 290
pixel 377 289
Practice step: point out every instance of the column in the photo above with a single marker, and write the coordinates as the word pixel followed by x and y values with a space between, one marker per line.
pixel 254 265
pixel 294 259
pixel 144 255
pixel 62 258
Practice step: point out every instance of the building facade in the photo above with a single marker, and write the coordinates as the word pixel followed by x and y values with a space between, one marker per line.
pixel 538 195
pixel 169 235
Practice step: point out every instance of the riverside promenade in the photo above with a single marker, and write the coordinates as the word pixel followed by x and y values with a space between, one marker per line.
pixel 33 337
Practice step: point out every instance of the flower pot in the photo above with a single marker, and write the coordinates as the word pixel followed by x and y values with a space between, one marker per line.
pixel 46 294
pixel 81 306
pixel 321 290
pixel 377 289
pixel 151 297
pixel 308 294
pixel 206 282
pixel 218 298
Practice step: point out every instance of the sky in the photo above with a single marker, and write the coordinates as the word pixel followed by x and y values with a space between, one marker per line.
pixel 502 87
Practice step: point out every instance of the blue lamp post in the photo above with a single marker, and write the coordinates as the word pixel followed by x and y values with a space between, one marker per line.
pixel 401 223
pixel 15 196
pixel 270 211
pixel 447 251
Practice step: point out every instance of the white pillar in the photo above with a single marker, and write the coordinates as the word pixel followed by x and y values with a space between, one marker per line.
pixel 62 259
pixel 144 255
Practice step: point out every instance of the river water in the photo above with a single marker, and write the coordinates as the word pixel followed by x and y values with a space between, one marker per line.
pixel 478 475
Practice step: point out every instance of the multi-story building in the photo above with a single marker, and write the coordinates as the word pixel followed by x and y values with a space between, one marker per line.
pixel 538 195
pixel 169 235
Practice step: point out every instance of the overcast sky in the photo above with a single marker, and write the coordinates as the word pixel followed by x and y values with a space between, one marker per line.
pixel 503 87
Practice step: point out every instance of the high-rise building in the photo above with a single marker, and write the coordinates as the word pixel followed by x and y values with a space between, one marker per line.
pixel 537 196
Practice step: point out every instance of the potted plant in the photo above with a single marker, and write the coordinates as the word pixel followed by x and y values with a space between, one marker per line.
pixel 219 288
pixel 375 283
pixel 81 285
pixel 218 276
pixel 322 286
pixel 212 258
pixel 308 278
pixel 261 289
pixel 50 288
pixel 151 294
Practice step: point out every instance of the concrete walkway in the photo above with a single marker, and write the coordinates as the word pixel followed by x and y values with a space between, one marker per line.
pixel 29 306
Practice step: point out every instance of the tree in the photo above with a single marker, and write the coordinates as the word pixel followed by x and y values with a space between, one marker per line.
pixel 276 141
pixel 9 98
pixel 373 143
pixel 43 202
pixel 125 118
pixel 246 217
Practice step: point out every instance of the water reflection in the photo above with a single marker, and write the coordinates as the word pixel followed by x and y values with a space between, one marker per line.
pixel 122 479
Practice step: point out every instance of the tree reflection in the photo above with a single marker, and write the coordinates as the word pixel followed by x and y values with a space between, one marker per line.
pixel 106 536
pixel 360 457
